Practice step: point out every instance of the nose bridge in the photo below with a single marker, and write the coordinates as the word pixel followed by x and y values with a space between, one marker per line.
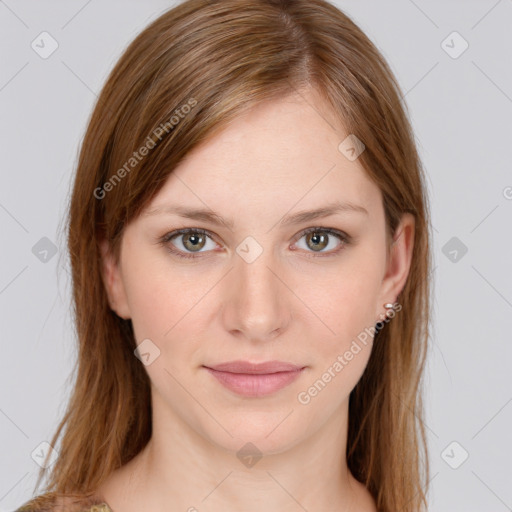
pixel 256 277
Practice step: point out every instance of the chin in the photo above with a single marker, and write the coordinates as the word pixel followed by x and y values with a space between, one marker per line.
pixel 262 432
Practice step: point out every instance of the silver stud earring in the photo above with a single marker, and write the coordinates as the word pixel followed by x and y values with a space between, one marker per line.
pixel 388 305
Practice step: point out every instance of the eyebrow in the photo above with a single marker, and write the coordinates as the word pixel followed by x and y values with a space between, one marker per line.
pixel 287 220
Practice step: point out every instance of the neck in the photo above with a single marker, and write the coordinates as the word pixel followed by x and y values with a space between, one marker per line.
pixel 180 469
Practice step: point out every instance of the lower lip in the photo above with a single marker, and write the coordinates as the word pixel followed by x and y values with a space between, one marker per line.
pixel 255 385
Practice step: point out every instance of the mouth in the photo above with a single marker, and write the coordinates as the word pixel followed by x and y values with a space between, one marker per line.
pixel 255 379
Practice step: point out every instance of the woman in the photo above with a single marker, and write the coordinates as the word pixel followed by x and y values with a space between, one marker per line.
pixel 249 242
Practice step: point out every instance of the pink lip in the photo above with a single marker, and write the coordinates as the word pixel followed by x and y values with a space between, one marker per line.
pixel 255 380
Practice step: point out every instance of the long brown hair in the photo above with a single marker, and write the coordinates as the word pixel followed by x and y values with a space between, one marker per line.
pixel 194 69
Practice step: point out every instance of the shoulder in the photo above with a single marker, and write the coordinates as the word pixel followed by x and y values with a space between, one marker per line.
pixel 53 502
pixel 42 503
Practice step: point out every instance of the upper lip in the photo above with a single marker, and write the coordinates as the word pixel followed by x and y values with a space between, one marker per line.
pixel 255 368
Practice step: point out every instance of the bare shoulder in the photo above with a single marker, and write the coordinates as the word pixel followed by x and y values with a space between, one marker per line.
pixel 52 502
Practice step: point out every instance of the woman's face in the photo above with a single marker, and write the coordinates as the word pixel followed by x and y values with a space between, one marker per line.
pixel 252 286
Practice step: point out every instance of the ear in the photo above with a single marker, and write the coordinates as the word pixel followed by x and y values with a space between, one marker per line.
pixel 398 264
pixel 113 281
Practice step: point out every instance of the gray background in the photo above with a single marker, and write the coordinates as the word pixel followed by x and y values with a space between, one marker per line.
pixel 461 110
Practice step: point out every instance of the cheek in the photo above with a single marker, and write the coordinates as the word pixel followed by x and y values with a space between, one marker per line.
pixel 341 353
pixel 344 303
pixel 342 342
pixel 167 306
pixel 158 298
pixel 152 308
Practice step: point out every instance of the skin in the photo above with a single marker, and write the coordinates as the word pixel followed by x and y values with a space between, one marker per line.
pixel 291 303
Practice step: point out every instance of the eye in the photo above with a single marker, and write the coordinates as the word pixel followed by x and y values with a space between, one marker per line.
pixel 317 239
pixel 188 239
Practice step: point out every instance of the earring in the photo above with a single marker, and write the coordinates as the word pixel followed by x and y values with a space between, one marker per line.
pixel 379 325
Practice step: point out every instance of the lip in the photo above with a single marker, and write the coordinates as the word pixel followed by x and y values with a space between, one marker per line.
pixel 255 368
pixel 255 379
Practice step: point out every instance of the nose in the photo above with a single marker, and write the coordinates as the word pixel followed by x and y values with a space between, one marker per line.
pixel 256 306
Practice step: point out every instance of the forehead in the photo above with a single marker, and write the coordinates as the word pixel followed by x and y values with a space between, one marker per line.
pixel 280 153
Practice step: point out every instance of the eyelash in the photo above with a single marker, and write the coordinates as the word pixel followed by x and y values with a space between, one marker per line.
pixel 343 237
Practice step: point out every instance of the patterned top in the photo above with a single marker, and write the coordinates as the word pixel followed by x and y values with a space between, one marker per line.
pixel 47 502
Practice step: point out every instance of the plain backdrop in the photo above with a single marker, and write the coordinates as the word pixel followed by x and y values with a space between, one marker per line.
pixel 452 60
